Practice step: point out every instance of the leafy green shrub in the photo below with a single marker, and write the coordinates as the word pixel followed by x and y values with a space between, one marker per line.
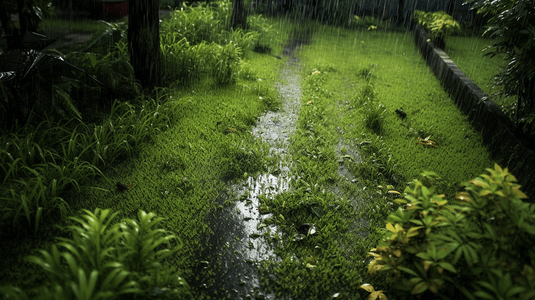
pixel 437 24
pixel 114 73
pixel 105 260
pixel 195 24
pixel 478 246
pixel 511 23
pixel 227 64
pixel 243 40
pixel 259 24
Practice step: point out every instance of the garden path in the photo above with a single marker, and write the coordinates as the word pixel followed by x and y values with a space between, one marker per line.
pixel 237 228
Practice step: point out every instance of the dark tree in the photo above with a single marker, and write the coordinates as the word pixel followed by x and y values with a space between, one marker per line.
pixel 30 13
pixel 144 41
pixel 450 7
pixel 401 13
pixel 13 36
pixel 239 15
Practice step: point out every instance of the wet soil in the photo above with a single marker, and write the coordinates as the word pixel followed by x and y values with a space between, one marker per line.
pixel 237 244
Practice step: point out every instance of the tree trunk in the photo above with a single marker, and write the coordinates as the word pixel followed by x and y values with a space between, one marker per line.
pixel 450 7
pixel 13 37
pixel 239 15
pixel 401 12
pixel 144 41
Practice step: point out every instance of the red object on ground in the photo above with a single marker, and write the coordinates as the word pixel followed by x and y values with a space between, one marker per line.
pixel 115 8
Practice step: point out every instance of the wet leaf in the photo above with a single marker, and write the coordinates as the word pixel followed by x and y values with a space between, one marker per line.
pixel 447 266
pixel 263 210
pixel 312 230
pixel 463 196
pixel 390 228
pixel 367 287
pixel 419 288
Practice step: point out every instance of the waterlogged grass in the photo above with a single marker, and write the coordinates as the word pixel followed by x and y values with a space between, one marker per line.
pixel 320 250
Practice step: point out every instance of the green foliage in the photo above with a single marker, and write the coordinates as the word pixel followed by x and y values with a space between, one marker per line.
pixel 106 38
pixel 41 166
pixel 241 159
pixel 437 24
pixel 41 84
pixel 378 165
pixel 114 74
pixel 195 24
pixel 196 43
pixel 511 23
pixel 479 245
pixel 369 22
pixel 227 64
pixel 104 259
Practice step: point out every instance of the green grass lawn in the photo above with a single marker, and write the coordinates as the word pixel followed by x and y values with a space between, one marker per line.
pixel 468 54
pixel 401 80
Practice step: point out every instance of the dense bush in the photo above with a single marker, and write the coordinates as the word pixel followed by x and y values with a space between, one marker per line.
pixel 437 24
pixel 105 259
pixel 512 24
pixel 196 42
pixel 477 246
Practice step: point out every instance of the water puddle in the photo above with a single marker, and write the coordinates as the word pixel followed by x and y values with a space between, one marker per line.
pixel 238 243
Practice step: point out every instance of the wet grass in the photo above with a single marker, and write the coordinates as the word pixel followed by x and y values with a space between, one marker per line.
pixel 178 173
pixel 329 219
pixel 333 214
pixel 400 80
pixel 467 53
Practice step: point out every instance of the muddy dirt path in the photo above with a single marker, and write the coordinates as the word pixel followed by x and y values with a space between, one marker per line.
pixel 237 245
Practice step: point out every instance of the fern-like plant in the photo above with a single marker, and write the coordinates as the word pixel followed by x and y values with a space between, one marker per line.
pixel 104 259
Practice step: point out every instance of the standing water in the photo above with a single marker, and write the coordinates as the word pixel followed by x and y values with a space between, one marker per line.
pixel 237 243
